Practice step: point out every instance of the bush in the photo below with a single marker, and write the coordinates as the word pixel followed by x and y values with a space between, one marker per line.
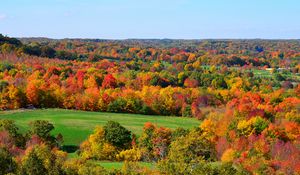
pixel 212 169
pixel 200 168
pixel 133 154
pixel 82 167
pixel 133 168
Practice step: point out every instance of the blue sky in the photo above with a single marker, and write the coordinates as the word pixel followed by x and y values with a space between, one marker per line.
pixel 176 19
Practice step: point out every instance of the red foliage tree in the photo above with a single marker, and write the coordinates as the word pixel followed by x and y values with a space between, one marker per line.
pixel 109 82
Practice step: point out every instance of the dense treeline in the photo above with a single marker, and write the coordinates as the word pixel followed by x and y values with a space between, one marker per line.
pixel 9 45
pixel 250 114
pixel 157 88
pixel 269 53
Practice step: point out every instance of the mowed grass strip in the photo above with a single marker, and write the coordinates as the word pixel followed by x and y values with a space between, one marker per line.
pixel 75 126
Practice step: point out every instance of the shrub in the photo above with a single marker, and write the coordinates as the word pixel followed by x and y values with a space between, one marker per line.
pixel 133 154
pixel 133 168
pixel 82 167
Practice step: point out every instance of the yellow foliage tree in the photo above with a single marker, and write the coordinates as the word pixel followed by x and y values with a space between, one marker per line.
pixel 228 156
pixel 97 148
pixel 245 127
pixel 209 128
pixel 254 125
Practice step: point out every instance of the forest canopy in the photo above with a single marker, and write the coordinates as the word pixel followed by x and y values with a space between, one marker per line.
pixel 246 93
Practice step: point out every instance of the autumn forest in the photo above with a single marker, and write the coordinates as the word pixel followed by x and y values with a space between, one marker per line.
pixel 244 93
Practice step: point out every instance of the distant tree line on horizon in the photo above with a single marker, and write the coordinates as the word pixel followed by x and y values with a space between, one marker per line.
pixel 258 53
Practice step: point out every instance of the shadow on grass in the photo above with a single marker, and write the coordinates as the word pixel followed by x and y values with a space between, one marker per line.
pixel 70 148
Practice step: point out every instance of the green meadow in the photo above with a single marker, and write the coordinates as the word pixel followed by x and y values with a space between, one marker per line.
pixel 75 126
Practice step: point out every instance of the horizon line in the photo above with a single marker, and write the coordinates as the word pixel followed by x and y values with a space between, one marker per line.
pixel 136 38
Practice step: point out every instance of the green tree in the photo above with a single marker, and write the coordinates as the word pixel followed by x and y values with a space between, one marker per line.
pixel 117 134
pixel 178 132
pixel 96 147
pixel 279 77
pixel 3 83
pixel 12 129
pixel 7 163
pixel 117 105
pixel 7 48
pixel 186 111
pixel 9 126
pixel 47 51
pixel 145 141
pixel 32 164
pixel 40 159
pixel 186 153
pixel 42 129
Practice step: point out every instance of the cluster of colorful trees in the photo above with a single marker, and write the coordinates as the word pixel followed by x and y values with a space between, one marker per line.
pixel 115 87
pixel 245 138
pixel 37 152
pixel 258 53
pixel 33 152
pixel 8 45
pixel 158 85
pixel 250 122
pixel 249 145
pixel 272 53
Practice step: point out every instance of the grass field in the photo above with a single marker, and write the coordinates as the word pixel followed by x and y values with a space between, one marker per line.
pixel 110 164
pixel 118 165
pixel 75 126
